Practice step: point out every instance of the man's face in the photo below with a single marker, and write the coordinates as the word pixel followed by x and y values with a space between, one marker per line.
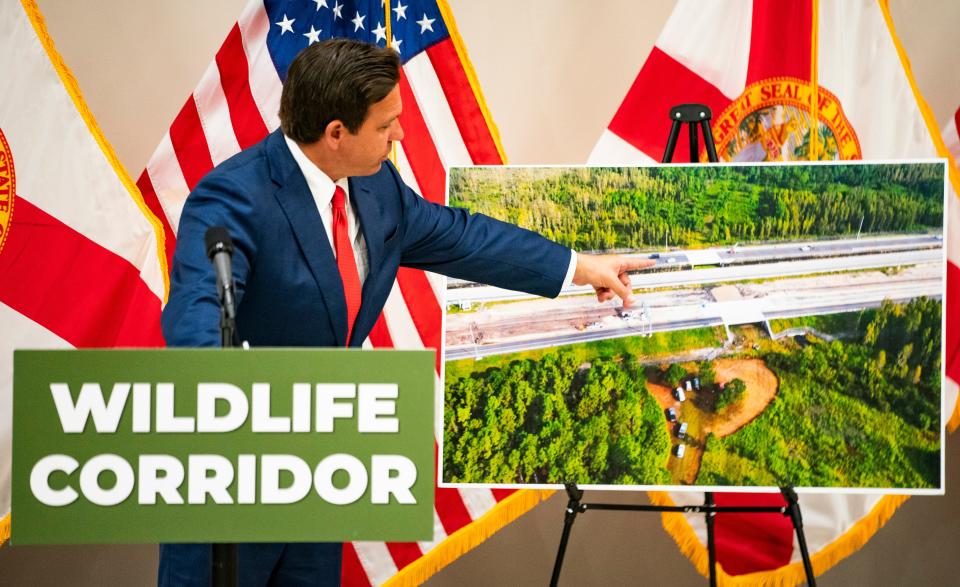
pixel 364 152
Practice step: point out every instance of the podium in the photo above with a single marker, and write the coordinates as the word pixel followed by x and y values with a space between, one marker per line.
pixel 222 446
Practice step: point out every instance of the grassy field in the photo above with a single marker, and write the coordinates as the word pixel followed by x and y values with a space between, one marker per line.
pixel 726 469
pixel 843 323
pixel 660 344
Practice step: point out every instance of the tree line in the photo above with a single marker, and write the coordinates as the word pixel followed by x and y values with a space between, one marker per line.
pixel 630 208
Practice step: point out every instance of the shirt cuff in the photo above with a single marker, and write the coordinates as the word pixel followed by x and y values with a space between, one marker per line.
pixel 568 280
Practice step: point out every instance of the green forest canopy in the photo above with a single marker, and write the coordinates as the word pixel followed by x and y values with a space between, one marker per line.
pixel 603 208
pixel 861 413
pixel 554 421
pixel 864 413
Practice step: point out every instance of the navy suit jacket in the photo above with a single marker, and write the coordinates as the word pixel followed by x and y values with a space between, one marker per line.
pixel 289 291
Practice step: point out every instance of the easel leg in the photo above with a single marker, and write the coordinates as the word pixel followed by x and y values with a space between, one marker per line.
pixel 711 544
pixel 570 515
pixel 694 143
pixel 793 510
pixel 671 142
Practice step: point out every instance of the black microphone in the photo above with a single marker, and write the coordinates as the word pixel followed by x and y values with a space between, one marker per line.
pixel 220 251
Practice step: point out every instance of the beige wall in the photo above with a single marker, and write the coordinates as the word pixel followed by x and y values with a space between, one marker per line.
pixel 551 85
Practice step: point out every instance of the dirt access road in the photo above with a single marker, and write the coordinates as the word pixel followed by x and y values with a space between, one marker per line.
pixel 697 411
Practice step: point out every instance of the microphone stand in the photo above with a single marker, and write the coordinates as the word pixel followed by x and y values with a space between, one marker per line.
pixel 223 571
pixel 228 319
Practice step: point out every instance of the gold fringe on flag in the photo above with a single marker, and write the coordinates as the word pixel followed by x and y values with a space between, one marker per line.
pixel 789 575
pixel 814 154
pixel 468 537
pixel 4 529
pixel 73 90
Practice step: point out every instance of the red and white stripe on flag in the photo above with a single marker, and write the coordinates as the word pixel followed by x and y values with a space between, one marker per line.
pixel 446 123
pixel 79 252
pixel 740 56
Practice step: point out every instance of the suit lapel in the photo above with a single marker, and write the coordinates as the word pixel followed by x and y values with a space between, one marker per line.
pixel 370 213
pixel 301 211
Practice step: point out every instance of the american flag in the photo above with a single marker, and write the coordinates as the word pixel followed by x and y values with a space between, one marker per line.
pixel 445 122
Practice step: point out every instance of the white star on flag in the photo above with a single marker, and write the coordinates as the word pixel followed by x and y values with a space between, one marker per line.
pixel 337 7
pixel 381 32
pixel 358 21
pixel 286 25
pixel 401 10
pixel 313 36
pixel 426 24
pixel 321 4
pixel 395 43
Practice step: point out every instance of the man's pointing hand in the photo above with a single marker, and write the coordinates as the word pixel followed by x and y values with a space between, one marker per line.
pixel 608 275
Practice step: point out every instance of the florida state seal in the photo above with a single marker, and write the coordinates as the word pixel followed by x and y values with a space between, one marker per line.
pixel 772 121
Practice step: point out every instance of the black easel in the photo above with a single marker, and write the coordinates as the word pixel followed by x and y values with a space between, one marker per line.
pixel 792 509
pixel 692 115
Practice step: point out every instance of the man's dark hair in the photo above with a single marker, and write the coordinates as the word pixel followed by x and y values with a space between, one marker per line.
pixel 332 80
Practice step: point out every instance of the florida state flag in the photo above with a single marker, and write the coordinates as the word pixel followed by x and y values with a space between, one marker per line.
pixel 80 261
pixel 786 80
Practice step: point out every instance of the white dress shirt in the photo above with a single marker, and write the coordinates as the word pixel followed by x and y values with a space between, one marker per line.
pixel 322 188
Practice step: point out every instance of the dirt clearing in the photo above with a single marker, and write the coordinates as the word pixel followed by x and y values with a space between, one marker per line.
pixel 761 389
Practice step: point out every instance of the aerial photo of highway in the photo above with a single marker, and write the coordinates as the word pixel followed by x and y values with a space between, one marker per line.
pixel 788 334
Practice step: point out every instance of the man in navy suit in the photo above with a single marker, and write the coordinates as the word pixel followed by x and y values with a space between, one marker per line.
pixel 321 221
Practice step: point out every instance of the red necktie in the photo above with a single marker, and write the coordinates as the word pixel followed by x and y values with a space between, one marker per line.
pixel 346 262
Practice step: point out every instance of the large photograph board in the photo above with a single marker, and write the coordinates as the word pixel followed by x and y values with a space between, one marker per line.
pixel 790 332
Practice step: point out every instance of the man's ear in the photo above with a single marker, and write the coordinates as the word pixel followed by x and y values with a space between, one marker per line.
pixel 334 133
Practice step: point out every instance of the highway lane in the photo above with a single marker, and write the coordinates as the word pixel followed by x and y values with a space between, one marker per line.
pixel 474 351
pixel 773 270
pixel 804 249
pixel 480 351
pixel 768 304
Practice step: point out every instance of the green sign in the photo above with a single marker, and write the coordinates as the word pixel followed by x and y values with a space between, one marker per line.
pixel 211 445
